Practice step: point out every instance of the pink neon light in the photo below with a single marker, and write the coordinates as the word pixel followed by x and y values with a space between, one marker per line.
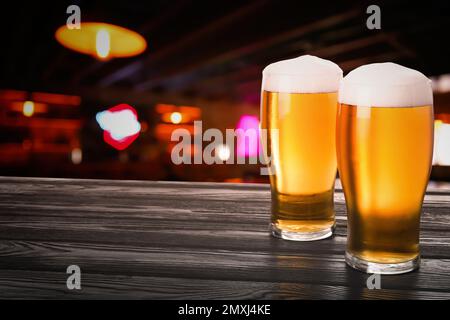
pixel 248 144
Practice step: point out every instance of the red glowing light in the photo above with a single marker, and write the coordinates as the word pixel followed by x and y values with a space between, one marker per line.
pixel 120 126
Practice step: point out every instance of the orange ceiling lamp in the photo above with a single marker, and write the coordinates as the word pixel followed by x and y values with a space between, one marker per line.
pixel 28 108
pixel 102 40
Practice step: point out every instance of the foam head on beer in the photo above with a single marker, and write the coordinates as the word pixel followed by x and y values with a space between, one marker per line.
pixel 385 85
pixel 384 144
pixel 304 74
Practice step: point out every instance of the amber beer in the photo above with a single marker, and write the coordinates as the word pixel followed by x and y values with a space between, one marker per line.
pixel 384 148
pixel 298 108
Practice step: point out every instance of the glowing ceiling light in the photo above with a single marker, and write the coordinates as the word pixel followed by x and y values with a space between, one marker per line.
pixel 120 124
pixel 103 43
pixel 441 152
pixel 248 137
pixel 176 117
pixel 28 108
pixel 76 156
pixel 223 152
pixel 102 40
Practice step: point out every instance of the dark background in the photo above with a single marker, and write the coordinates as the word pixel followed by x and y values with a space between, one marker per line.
pixel 204 54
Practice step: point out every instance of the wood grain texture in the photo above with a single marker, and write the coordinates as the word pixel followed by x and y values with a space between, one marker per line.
pixel 166 240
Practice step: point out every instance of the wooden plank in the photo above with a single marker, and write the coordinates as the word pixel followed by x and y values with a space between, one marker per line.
pixel 138 239
pixel 50 285
pixel 206 263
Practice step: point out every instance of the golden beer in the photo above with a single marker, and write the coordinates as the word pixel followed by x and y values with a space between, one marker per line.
pixel 302 143
pixel 384 158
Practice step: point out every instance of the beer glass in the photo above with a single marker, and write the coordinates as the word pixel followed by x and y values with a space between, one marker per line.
pixel 384 150
pixel 298 110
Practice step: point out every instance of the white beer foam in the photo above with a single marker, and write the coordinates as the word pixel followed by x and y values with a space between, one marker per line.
pixel 385 85
pixel 305 74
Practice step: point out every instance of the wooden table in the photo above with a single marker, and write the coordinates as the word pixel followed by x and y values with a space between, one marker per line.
pixel 138 239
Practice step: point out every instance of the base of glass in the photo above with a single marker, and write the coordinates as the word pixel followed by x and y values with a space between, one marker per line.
pixel 381 268
pixel 301 236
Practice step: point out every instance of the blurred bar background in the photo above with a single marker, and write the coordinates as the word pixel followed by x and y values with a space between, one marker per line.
pixel 203 61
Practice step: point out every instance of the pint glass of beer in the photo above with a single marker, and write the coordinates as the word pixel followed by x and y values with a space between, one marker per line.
pixel 298 110
pixel 384 150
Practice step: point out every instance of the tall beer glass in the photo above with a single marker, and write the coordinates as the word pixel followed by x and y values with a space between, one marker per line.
pixel 384 149
pixel 298 108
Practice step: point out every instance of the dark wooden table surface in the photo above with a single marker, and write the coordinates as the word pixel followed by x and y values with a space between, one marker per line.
pixel 136 239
